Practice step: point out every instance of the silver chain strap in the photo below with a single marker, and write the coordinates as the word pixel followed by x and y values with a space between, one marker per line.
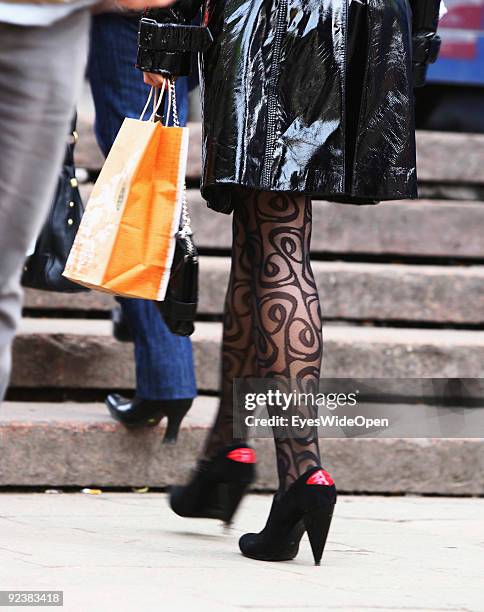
pixel 185 226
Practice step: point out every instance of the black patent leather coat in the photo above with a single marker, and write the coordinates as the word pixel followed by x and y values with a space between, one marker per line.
pixel 310 96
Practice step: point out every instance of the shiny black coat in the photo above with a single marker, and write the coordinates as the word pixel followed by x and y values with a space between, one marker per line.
pixel 311 96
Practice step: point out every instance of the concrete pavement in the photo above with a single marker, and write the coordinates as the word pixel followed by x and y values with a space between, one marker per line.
pixel 128 552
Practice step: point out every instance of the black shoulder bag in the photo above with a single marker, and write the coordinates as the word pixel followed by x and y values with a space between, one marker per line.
pixel 179 307
pixel 43 269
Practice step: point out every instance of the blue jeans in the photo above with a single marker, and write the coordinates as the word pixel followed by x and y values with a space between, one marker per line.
pixel 164 362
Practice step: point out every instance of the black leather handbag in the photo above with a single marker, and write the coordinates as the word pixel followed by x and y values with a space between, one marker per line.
pixel 179 307
pixel 43 268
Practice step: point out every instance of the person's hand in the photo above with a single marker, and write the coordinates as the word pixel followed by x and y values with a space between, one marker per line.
pixel 139 5
pixel 155 80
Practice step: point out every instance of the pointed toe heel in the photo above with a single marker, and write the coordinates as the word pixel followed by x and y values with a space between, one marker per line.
pixel 306 506
pixel 175 413
pixel 133 413
pixel 139 412
pixel 230 495
pixel 317 524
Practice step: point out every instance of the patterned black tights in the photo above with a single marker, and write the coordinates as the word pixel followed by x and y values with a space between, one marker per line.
pixel 272 320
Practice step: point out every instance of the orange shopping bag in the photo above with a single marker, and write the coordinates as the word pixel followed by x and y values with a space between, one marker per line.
pixel 126 238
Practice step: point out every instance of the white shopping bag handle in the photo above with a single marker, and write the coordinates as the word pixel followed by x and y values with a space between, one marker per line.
pixel 157 100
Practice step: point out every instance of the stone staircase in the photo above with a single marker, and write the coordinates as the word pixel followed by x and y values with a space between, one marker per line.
pixel 402 288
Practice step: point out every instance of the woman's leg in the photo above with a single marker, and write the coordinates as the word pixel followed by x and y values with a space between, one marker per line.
pixel 285 306
pixel 238 351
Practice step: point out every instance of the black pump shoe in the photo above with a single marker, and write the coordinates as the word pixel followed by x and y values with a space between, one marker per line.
pixel 306 506
pixel 148 413
pixel 217 486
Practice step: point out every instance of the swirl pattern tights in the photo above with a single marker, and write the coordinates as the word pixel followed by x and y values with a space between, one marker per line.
pixel 272 317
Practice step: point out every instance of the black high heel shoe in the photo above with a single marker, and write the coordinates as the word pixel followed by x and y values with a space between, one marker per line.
pixel 217 486
pixel 148 413
pixel 121 328
pixel 306 506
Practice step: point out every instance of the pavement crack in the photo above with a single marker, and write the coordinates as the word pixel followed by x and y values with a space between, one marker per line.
pixel 17 552
pixel 84 530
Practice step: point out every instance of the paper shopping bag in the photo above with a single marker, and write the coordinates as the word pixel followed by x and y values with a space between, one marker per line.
pixel 126 239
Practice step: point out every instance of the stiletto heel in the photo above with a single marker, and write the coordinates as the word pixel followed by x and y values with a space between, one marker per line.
pixel 175 415
pixel 317 524
pixel 139 412
pixel 306 506
pixel 217 486
pixel 230 495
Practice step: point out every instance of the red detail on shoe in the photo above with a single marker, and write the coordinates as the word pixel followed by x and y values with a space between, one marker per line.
pixel 242 455
pixel 321 477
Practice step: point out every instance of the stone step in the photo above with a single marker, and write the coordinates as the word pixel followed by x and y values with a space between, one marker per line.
pixel 421 228
pixel 82 354
pixel 418 228
pixel 56 445
pixel 88 301
pixel 356 291
pixel 379 292
pixel 441 156
pixel 450 157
